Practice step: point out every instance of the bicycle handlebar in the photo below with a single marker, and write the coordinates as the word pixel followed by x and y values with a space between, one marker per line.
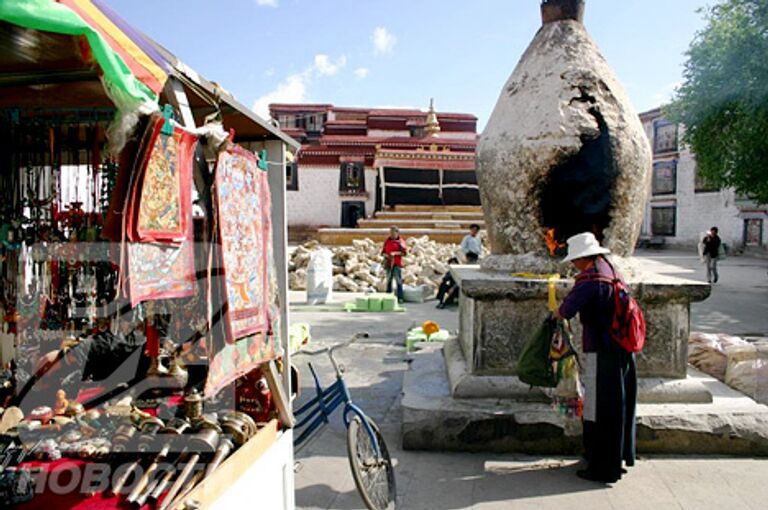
pixel 315 352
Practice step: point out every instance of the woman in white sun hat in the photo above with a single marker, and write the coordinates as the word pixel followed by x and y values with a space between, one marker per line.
pixel 610 379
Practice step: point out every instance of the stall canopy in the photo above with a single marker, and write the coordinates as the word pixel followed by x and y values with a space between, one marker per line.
pixel 81 53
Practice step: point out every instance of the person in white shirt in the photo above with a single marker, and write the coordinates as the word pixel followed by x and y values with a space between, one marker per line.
pixel 471 246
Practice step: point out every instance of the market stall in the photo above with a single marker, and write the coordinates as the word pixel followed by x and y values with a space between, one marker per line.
pixel 143 295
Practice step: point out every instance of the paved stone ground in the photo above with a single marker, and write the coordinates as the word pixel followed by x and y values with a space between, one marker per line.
pixel 427 480
pixel 739 301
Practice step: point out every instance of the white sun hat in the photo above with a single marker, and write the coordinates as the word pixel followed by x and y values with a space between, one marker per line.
pixel 584 245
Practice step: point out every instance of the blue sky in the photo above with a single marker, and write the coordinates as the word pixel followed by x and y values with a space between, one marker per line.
pixel 402 52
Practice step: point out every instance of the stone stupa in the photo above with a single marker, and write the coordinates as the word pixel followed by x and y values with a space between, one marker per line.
pixel 564 152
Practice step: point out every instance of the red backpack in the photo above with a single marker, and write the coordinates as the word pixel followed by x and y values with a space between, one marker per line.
pixel 628 325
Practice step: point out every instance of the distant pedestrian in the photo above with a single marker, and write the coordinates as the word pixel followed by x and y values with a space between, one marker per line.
pixel 393 250
pixel 471 246
pixel 712 247
pixel 610 379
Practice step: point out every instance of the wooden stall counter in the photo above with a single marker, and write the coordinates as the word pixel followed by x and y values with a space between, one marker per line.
pixel 254 473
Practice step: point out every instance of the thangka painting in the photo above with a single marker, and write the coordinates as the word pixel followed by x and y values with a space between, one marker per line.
pixel 237 359
pixel 158 232
pixel 161 270
pixel 231 360
pixel 243 217
pixel 161 202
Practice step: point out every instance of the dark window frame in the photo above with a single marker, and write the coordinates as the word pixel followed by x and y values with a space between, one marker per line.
pixel 700 186
pixel 352 177
pixel 292 176
pixel 656 188
pixel 760 222
pixel 658 126
pixel 655 227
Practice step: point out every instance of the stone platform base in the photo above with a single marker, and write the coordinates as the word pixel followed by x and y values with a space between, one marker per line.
pixel 731 423
pixel 651 390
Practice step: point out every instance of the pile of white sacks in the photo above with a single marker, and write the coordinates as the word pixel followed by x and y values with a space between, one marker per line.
pixel 741 363
pixel 360 267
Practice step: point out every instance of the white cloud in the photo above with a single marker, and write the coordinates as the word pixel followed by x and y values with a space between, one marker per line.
pixel 293 89
pixel 666 93
pixel 326 67
pixel 361 72
pixel 383 41
pixel 266 3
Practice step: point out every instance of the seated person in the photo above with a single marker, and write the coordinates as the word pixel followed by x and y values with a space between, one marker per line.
pixel 108 358
pixel 449 289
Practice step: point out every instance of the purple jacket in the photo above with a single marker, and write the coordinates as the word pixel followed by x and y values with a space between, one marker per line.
pixel 593 301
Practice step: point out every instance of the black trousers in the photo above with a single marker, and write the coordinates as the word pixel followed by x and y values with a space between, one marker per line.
pixel 448 291
pixel 609 438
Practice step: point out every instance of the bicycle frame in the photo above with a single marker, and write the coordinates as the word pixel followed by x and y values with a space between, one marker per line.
pixel 315 414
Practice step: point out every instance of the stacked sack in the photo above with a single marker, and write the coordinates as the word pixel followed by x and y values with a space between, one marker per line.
pixel 741 364
pixel 360 267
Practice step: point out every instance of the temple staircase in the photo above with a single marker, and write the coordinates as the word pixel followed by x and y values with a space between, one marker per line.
pixel 445 224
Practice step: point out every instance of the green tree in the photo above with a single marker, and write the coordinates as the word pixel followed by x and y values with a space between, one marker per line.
pixel 723 101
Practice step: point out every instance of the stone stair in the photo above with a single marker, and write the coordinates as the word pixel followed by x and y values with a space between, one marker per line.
pixel 445 224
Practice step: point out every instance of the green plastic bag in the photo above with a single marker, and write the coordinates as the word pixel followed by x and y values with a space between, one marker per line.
pixel 534 365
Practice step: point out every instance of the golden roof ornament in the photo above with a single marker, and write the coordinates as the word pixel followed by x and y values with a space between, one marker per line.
pixel 432 128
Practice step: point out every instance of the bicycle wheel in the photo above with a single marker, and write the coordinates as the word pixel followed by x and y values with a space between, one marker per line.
pixel 373 474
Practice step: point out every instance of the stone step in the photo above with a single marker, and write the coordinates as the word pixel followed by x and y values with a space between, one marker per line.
pixel 441 208
pixel 420 223
pixel 466 216
pixel 345 236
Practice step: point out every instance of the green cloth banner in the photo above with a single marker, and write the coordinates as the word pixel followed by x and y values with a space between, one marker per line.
pixel 123 88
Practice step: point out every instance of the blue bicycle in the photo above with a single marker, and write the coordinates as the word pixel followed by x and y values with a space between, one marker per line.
pixel 368 455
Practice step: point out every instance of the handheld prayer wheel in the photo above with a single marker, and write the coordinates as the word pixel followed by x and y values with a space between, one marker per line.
pixel 123 437
pixel 222 452
pixel 204 442
pixel 152 427
pixel 149 429
pixel 193 405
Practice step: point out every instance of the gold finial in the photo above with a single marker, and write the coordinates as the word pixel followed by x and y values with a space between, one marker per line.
pixel 432 128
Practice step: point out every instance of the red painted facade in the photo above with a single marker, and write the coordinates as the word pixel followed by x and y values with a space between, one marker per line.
pixel 329 134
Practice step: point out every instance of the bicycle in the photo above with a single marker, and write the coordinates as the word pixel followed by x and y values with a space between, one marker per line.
pixel 369 458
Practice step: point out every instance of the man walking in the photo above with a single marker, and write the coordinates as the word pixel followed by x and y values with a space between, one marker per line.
pixel 712 245
pixel 394 249
pixel 471 246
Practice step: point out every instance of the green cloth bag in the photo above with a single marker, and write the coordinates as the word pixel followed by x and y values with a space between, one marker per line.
pixel 534 366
